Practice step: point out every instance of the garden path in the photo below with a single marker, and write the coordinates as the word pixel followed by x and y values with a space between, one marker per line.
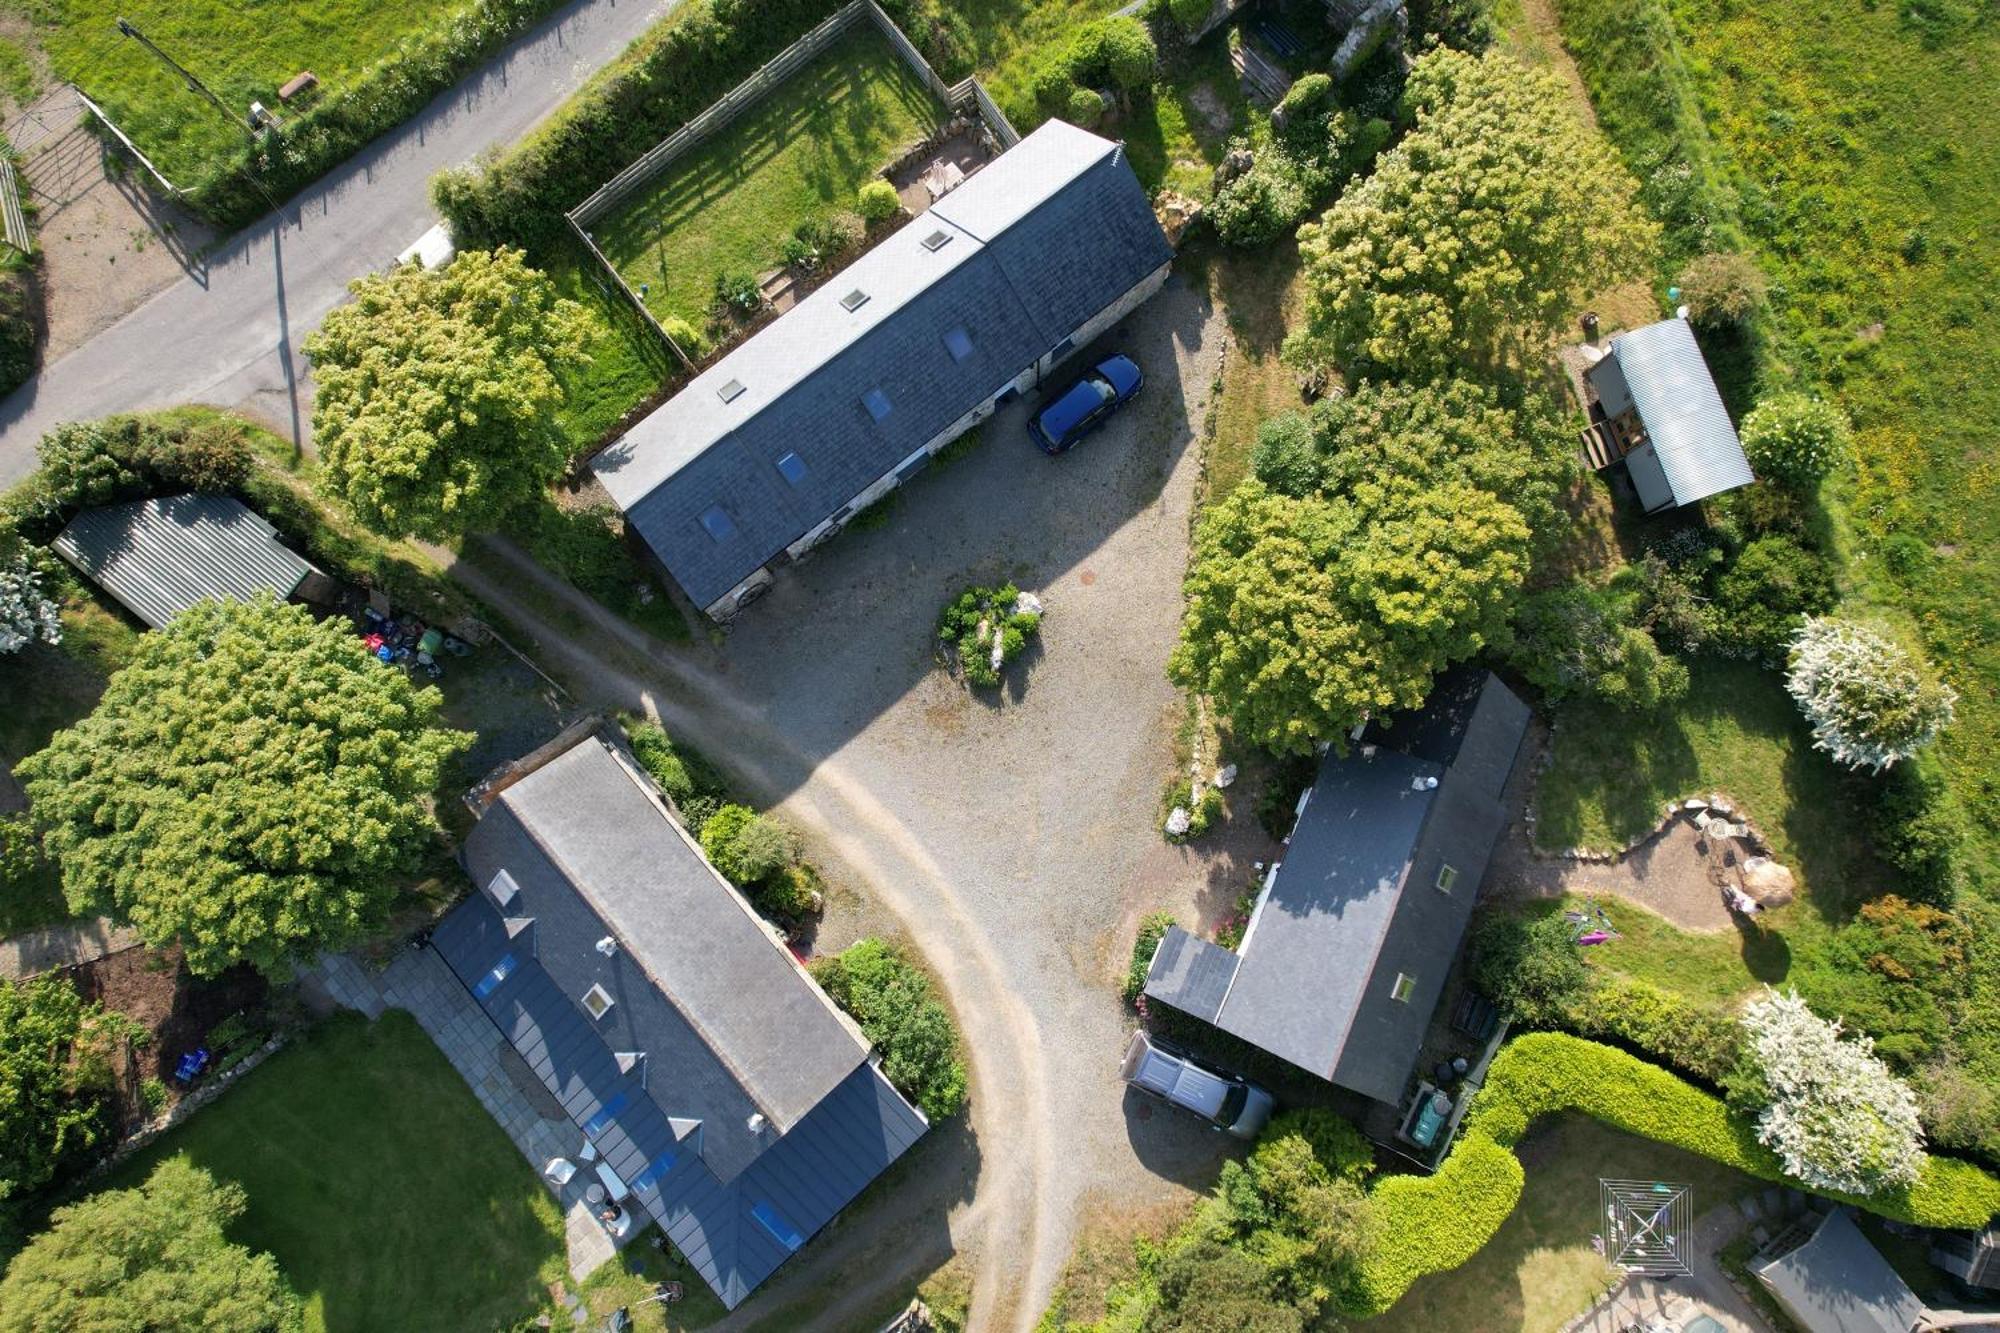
pixel 63 945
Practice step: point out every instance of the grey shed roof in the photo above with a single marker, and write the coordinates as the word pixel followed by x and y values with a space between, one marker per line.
pixel 160 557
pixel 1668 383
pixel 1355 900
pixel 1053 231
pixel 673 1122
pixel 1838 1283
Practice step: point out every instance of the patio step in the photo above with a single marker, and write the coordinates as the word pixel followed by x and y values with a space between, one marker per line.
pixel 1263 80
pixel 1600 446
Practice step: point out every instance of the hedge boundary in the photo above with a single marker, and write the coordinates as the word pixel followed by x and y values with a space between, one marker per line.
pixel 1434 1223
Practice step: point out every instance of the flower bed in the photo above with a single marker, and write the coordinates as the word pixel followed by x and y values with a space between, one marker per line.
pixel 983 629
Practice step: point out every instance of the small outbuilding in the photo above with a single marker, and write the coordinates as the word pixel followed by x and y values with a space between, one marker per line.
pixel 1658 411
pixel 1834 1281
pixel 159 557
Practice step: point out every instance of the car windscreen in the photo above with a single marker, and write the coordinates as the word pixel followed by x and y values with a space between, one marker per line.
pixel 1066 413
pixel 1232 1106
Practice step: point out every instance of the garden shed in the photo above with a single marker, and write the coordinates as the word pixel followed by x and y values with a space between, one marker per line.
pixel 1836 1282
pixel 1657 409
pixel 159 557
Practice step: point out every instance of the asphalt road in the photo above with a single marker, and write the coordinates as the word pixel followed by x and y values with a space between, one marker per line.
pixel 229 333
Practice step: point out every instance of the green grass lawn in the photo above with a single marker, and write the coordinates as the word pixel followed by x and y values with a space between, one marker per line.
pixel 800 152
pixel 244 52
pixel 1868 181
pixel 1737 732
pixel 626 365
pixel 388 1195
pixel 1539 1270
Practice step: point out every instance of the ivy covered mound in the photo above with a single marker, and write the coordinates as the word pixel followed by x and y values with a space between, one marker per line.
pixel 1432 1223
pixel 983 629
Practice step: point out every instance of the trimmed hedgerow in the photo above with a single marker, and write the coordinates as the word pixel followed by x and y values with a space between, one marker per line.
pixel 1426 1224
pixel 1430 1224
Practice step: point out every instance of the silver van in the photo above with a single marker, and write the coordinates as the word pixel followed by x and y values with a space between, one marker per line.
pixel 1225 1101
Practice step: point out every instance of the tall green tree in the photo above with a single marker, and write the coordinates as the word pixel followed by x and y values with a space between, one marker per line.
pixel 438 393
pixel 252 786
pixel 154 1258
pixel 53 1080
pixel 1497 214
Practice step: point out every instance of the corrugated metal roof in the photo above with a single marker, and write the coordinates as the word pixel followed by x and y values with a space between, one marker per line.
pixel 1676 398
pixel 1838 1283
pixel 159 557
pixel 1046 236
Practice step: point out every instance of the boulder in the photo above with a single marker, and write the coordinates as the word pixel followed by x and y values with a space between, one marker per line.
pixel 1178 822
pixel 1771 884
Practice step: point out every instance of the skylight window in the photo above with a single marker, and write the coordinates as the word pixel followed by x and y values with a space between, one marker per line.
pixel 731 391
pixel 503 888
pixel 597 1001
pixel 1447 876
pixel 959 343
pixel 854 300
pixel 1405 987
pixel 876 402
pixel 793 469
pixel 716 522
pixel 937 240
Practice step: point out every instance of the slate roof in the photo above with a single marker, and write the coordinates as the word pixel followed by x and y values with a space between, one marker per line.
pixel 1669 384
pixel 159 557
pixel 1043 238
pixel 1354 901
pixel 724 1023
pixel 1838 1283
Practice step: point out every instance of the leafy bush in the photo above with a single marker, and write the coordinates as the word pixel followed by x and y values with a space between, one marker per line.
pixel 1116 53
pixel 973 622
pixel 759 855
pixel 1833 1113
pixel 1202 813
pixel 1278 801
pixel 1152 929
pixel 1086 107
pixel 1695 1039
pixel 686 337
pixel 53 1083
pixel 1766 594
pixel 1722 290
pixel 1898 970
pixel 27 613
pixel 1189 14
pixel 897 1006
pixel 89 463
pixel 737 292
pixel 1669 601
pixel 1530 966
pixel 1870 701
pixel 1920 828
pixel 1576 640
pixel 877 201
pixel 1795 439
pixel 1315 148
pixel 20 327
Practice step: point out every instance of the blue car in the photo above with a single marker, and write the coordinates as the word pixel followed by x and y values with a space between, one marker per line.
pixel 1083 406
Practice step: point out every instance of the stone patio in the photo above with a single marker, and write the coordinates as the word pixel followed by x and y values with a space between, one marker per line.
pixel 420 982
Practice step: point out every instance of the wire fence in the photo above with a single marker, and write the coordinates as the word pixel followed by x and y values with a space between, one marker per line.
pixel 966 96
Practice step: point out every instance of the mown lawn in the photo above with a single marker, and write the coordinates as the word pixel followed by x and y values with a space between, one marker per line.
pixel 1539 1270
pixel 388 1195
pixel 1737 732
pixel 244 52
pixel 1859 160
pixel 800 152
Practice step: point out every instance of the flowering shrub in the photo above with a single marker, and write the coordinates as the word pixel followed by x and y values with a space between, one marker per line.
pixel 26 612
pixel 986 628
pixel 1722 289
pixel 1795 439
pixel 1834 1114
pixel 1870 702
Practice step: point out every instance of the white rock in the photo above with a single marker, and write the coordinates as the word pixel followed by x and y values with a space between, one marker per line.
pixel 1225 775
pixel 1178 822
pixel 1027 604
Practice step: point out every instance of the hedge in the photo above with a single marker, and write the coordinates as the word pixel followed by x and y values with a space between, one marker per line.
pixel 1436 1223
pixel 671 74
pixel 1427 1224
pixel 345 120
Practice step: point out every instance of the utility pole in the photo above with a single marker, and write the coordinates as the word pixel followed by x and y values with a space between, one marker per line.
pixel 194 85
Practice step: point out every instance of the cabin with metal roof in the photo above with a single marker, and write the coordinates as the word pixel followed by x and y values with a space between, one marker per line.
pixel 1828 1279
pixel 772 449
pixel 159 557
pixel 727 1096
pixel 1656 409
pixel 1354 930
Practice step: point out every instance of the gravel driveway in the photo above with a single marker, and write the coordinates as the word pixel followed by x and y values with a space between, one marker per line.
pixel 1013 841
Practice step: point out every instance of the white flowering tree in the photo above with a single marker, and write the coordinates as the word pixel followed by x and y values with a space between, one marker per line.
pixel 26 613
pixel 1870 701
pixel 1836 1117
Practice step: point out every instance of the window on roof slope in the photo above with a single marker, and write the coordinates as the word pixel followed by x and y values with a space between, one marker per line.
pixel 959 343
pixel 937 240
pixel 731 391
pixel 716 522
pixel 1447 876
pixel 792 468
pixel 597 1001
pixel 876 402
pixel 1405 987
pixel 854 300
